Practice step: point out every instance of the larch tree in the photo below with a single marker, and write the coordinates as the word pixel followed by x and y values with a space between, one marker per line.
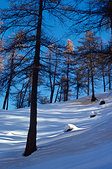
pixel 102 63
pixel 52 69
pixel 11 61
pixel 60 10
pixel 68 52
pixel 51 6
pixel 31 138
pixel 89 45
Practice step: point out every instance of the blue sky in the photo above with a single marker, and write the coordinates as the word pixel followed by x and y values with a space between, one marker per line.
pixel 3 3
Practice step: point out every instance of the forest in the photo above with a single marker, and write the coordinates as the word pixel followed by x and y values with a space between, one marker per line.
pixel 37 67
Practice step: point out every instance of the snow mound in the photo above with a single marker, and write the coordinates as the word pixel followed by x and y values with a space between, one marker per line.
pixel 102 101
pixel 71 127
pixel 93 114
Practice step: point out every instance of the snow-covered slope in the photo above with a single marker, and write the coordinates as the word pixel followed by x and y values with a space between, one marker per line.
pixel 87 146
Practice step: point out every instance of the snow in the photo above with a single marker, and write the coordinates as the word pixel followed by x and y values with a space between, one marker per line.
pixel 88 145
pixel 72 127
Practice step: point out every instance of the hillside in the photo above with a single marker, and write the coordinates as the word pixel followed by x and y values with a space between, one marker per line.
pixel 88 146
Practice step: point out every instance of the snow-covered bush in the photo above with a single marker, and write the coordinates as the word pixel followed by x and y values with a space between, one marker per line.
pixel 70 127
pixel 93 114
pixel 102 102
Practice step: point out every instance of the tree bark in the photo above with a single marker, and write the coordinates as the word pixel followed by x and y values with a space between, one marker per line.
pixel 31 138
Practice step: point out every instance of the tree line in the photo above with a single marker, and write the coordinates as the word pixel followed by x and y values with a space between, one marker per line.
pixel 65 72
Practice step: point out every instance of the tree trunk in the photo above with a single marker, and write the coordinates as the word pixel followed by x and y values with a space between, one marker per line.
pixel 23 95
pixel 93 98
pixel 104 82
pixel 77 91
pixel 88 84
pixel 93 94
pixel 52 84
pixel 60 97
pixel 29 97
pixel 57 94
pixel 31 138
pixel 110 9
pixel 52 89
pixel 77 87
pixel 67 89
pixel 5 104
pixel 109 78
pixel 52 94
